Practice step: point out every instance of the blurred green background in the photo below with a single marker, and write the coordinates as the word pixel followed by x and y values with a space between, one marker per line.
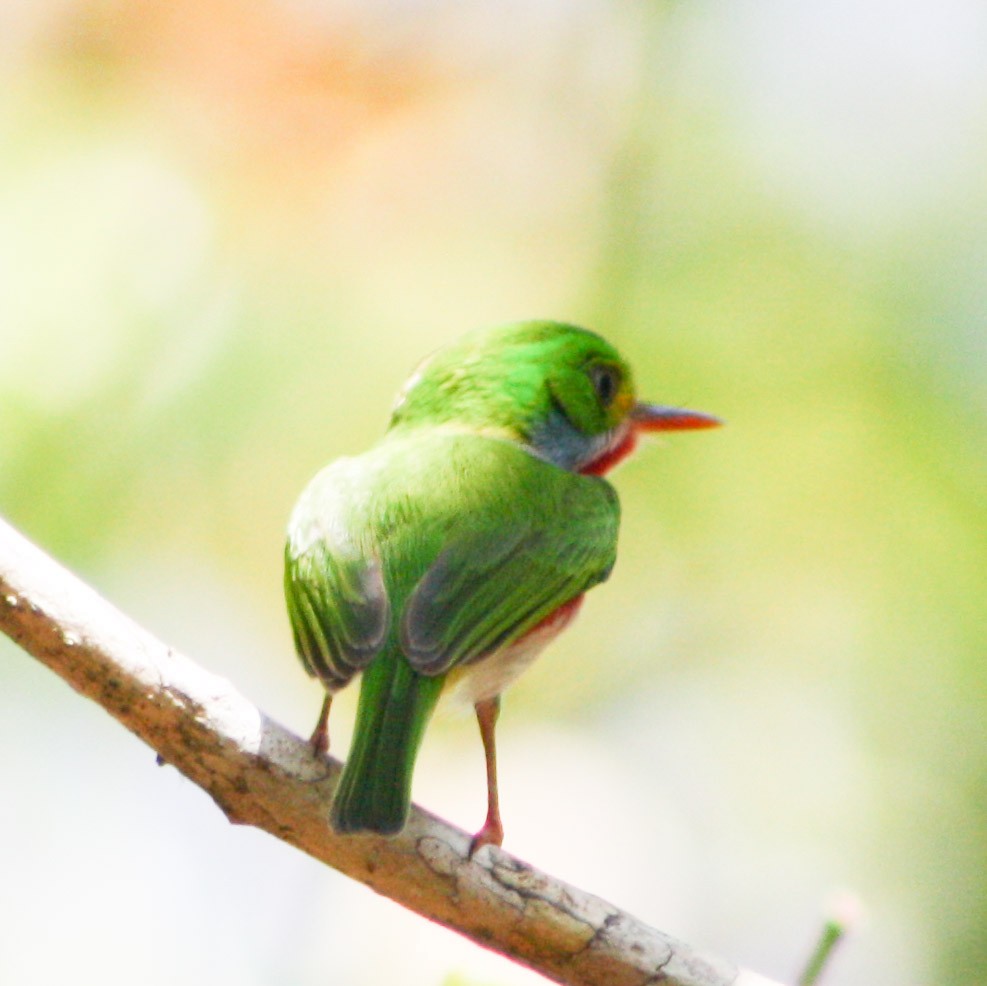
pixel 227 233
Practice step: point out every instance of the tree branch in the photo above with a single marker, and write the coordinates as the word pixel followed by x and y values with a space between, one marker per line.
pixel 260 774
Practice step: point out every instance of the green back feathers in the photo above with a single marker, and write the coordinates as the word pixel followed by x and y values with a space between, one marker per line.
pixel 444 545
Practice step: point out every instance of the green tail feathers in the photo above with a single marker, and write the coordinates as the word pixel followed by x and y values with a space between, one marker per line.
pixel 374 793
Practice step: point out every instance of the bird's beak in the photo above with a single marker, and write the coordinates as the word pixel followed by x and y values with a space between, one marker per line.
pixel 658 417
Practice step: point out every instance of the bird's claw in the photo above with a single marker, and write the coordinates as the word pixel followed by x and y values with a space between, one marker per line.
pixel 492 834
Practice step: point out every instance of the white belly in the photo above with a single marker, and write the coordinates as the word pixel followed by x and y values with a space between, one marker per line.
pixel 491 675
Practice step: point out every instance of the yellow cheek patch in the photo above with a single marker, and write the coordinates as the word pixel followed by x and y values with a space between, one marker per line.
pixel 622 404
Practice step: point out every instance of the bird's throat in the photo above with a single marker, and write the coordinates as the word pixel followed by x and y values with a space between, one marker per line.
pixel 611 455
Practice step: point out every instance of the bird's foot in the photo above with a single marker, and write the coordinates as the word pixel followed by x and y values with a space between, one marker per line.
pixel 319 740
pixel 492 834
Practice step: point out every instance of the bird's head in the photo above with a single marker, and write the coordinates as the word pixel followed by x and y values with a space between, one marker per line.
pixel 563 392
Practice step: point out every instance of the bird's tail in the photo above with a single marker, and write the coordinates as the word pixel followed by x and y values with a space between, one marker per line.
pixel 396 702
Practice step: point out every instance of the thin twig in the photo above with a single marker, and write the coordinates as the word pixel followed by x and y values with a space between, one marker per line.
pixel 844 912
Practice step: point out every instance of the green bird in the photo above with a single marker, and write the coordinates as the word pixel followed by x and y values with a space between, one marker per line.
pixel 454 550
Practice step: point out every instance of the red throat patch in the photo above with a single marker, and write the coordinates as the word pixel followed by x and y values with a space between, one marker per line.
pixel 607 460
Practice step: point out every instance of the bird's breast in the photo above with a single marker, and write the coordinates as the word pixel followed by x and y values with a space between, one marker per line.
pixel 490 675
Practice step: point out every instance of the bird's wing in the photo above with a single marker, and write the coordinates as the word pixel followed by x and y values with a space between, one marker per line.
pixel 507 566
pixel 470 542
pixel 337 600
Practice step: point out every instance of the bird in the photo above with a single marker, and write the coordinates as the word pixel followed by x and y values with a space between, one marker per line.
pixel 447 556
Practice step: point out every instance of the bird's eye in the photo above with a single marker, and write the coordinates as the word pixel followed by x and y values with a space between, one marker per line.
pixel 606 382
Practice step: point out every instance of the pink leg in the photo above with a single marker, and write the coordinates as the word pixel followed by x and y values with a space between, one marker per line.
pixel 492 832
pixel 320 735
